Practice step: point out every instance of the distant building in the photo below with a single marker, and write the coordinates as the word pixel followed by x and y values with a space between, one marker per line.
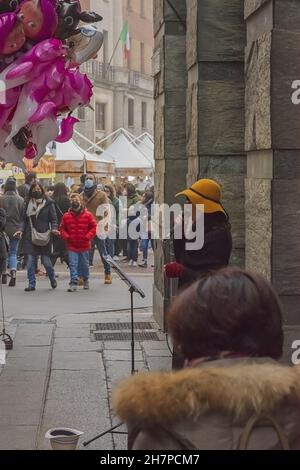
pixel 123 93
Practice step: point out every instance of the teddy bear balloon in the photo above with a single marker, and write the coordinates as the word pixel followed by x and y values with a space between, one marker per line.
pixel 69 17
pixel 39 19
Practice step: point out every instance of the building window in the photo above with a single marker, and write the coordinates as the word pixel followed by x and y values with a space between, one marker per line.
pixel 143 8
pixel 142 57
pixel 144 115
pixel 130 112
pixel 129 6
pixel 81 114
pixel 100 116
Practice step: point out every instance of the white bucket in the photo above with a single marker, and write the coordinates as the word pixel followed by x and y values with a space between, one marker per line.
pixel 63 438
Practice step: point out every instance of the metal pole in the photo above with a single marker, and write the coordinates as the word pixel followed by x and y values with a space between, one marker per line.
pixel 132 334
pixel 110 61
pixel 85 444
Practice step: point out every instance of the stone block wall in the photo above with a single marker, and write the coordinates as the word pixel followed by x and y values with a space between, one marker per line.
pixel 215 104
pixel 273 146
pixel 170 77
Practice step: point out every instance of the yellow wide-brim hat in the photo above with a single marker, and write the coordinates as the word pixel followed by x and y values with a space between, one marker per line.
pixel 206 192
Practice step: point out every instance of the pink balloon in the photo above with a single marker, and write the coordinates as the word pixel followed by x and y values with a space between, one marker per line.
pixel 44 111
pixel 66 129
pixel 31 152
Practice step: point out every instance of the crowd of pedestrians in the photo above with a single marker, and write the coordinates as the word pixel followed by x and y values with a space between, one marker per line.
pixel 45 224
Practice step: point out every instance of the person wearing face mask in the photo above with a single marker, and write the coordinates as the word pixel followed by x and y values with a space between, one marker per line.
pixel 38 226
pixel 93 199
pixel 78 229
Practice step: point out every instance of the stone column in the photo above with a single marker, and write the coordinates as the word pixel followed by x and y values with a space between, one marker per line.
pixel 169 68
pixel 215 104
pixel 273 146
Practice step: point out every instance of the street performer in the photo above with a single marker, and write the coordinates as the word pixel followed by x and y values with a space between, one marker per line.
pixel 215 254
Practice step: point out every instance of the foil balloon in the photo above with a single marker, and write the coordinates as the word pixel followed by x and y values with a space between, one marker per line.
pixel 12 36
pixel 85 45
pixel 57 90
pixel 9 5
pixel 9 100
pixel 43 133
pixel 66 129
pixel 39 19
pixel 33 63
pixel 69 17
pixel 42 46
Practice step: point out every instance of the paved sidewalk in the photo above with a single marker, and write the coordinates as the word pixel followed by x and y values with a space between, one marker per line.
pixel 58 375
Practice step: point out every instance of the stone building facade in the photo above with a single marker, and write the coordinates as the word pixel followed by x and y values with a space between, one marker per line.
pixel 123 89
pixel 223 109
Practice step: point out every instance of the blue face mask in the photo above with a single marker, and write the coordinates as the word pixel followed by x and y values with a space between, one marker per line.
pixel 89 184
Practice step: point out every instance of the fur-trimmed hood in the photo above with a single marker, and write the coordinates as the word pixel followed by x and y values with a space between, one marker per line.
pixel 238 387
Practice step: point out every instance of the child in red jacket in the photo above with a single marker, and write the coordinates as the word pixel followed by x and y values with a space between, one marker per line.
pixel 78 229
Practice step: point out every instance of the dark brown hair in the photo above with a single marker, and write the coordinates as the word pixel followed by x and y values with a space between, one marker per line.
pixel 111 189
pixel 33 187
pixel 60 191
pixel 229 310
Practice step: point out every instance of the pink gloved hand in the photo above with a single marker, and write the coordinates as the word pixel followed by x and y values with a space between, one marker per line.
pixel 174 270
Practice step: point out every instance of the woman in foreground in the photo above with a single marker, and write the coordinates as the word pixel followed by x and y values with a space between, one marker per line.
pixel 232 394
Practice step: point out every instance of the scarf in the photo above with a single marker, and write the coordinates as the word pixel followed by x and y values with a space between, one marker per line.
pixel 35 206
pixel 89 192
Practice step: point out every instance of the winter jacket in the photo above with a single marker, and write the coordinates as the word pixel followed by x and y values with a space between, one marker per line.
pixel 45 220
pixel 116 203
pixel 208 407
pixel 92 203
pixel 95 204
pixel 13 204
pixel 132 200
pixel 215 254
pixel 3 240
pixel 78 229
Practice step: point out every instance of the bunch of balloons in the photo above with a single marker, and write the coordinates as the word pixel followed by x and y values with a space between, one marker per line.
pixel 42 45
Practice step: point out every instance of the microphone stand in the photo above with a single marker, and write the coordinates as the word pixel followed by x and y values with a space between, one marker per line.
pixel 133 289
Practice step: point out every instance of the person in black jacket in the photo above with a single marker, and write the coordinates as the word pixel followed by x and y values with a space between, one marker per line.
pixel 3 245
pixel 13 204
pixel 39 214
pixel 215 254
pixel 62 205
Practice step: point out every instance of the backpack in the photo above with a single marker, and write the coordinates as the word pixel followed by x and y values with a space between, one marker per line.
pixel 253 422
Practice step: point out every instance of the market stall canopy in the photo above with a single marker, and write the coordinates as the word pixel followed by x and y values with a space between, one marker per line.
pixel 127 156
pixel 71 158
pixel 146 145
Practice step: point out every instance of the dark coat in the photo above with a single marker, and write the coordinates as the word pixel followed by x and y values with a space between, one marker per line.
pixel 61 207
pixel 3 240
pixel 13 204
pixel 46 219
pixel 214 255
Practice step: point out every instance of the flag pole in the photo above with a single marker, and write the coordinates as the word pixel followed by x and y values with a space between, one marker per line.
pixel 113 54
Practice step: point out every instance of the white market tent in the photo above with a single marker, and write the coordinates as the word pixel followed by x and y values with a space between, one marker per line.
pixel 145 144
pixel 71 158
pixel 129 159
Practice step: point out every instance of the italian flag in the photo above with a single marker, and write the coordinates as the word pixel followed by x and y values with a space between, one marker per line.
pixel 125 38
